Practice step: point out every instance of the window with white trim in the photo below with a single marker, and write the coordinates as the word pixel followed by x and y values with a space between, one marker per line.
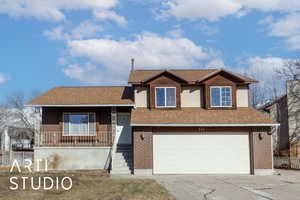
pixel 79 124
pixel 221 96
pixel 165 97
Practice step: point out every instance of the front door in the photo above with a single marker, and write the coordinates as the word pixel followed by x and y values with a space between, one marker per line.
pixel 123 135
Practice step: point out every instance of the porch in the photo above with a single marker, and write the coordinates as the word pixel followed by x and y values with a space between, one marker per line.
pixel 58 139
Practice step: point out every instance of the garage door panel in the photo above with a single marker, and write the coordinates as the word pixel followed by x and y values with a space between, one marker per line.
pixel 206 154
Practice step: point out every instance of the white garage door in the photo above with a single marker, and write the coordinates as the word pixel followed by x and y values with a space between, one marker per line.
pixel 211 153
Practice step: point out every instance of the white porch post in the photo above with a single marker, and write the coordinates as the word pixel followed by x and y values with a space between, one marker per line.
pixel 114 132
pixel 37 129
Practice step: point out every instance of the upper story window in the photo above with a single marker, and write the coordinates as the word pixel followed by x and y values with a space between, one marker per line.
pixel 79 124
pixel 165 96
pixel 221 96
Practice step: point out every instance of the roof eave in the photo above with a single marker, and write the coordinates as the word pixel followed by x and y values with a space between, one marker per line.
pixel 79 105
pixel 208 125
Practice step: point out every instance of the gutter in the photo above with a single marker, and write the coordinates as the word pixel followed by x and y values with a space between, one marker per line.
pixel 79 105
pixel 206 125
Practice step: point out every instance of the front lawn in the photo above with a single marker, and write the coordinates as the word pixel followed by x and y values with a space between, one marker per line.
pixel 86 186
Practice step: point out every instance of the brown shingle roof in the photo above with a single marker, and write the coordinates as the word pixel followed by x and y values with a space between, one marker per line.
pixel 191 75
pixel 245 115
pixel 84 95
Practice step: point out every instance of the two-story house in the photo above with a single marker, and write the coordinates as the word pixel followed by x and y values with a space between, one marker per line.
pixel 164 122
pixel 286 111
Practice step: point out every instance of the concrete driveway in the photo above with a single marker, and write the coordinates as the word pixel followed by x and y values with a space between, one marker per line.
pixel 191 187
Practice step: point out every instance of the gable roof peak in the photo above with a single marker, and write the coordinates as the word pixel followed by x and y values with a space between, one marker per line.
pixel 161 73
pixel 139 76
pixel 236 75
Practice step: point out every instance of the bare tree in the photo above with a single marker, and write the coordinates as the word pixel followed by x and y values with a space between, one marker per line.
pixel 4 115
pixel 257 94
pixel 15 100
pixel 268 88
pixel 14 111
pixel 290 71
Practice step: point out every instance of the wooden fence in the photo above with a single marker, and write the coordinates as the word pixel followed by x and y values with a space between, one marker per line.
pixel 7 158
pixel 287 163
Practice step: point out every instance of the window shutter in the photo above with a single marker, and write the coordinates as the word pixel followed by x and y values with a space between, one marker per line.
pixel 92 124
pixel 66 124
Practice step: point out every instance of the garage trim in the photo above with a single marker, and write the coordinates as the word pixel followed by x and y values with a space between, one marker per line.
pixel 207 125
pixel 250 155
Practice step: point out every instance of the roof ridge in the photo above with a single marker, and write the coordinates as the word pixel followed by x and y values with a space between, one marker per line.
pixel 91 86
pixel 162 69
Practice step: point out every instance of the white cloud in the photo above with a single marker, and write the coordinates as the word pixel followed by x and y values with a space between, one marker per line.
pixel 212 9
pixel 216 63
pixel 267 20
pixel 90 74
pixel 215 9
pixel 289 28
pixel 83 30
pixel 149 51
pixel 208 29
pixel 264 69
pixel 52 10
pixel 110 15
pixel 3 78
pixel 57 33
pixel 176 32
pixel 265 66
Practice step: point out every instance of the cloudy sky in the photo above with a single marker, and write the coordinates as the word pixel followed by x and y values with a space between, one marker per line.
pixel 47 43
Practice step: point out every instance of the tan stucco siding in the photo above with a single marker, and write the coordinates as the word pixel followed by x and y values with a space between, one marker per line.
pixel 242 95
pixel 140 97
pixel 191 97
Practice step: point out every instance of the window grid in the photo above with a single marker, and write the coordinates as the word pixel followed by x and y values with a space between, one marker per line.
pixel 225 97
pixel 88 124
pixel 166 102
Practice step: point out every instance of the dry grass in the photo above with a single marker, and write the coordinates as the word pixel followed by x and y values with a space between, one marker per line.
pixel 92 185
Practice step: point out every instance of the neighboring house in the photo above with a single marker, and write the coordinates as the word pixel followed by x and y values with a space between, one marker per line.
pixel 165 122
pixel 15 134
pixel 16 139
pixel 286 111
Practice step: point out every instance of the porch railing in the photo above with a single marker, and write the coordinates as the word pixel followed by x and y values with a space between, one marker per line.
pixel 53 138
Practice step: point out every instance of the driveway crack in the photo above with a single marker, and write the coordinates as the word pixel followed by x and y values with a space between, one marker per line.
pixel 251 190
pixel 205 196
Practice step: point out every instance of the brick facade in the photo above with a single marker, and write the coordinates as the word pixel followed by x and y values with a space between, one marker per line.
pixel 260 145
pixel 142 148
pixel 262 150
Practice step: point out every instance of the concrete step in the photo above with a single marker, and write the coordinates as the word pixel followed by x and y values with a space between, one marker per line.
pixel 117 155
pixel 121 164
pixel 120 172
pixel 121 168
pixel 123 153
pixel 122 160
pixel 122 157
